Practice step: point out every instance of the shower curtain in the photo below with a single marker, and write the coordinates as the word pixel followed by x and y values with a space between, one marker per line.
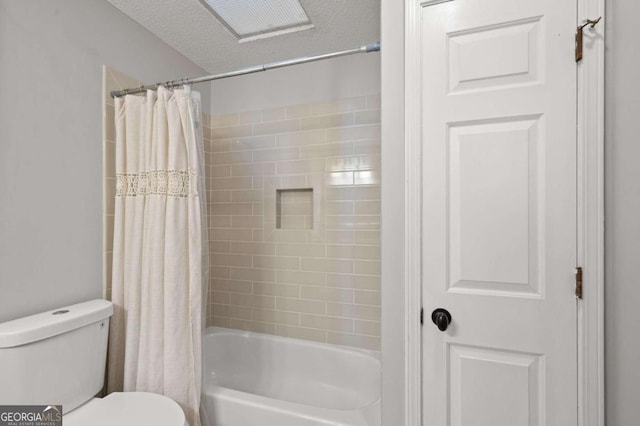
pixel 159 248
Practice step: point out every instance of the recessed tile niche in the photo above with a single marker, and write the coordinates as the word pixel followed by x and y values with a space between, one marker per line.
pixel 294 208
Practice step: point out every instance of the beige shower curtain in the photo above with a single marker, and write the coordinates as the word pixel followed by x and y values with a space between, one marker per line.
pixel 159 248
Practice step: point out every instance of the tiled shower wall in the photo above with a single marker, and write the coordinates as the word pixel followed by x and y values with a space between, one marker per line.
pixel 294 221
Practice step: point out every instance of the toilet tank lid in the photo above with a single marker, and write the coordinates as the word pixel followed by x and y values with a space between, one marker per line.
pixel 51 323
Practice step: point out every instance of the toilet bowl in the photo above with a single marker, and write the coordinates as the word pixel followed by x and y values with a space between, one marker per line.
pixel 127 409
pixel 58 358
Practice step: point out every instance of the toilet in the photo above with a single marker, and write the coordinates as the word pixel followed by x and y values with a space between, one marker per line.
pixel 58 358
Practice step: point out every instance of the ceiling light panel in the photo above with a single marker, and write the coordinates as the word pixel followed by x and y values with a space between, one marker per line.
pixel 248 18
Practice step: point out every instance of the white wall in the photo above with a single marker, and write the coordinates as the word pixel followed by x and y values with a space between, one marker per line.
pixel 51 57
pixel 393 213
pixel 622 211
pixel 328 80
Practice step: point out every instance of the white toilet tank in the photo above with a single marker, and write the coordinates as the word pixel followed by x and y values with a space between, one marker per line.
pixel 56 357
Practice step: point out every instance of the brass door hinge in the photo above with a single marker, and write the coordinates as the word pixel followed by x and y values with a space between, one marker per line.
pixel 579 30
pixel 579 282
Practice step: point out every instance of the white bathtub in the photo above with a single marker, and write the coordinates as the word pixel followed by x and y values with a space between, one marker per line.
pixel 263 380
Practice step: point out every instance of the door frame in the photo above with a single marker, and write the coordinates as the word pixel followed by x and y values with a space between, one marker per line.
pixel 401 198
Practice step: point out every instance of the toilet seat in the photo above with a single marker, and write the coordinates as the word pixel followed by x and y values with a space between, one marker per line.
pixel 127 409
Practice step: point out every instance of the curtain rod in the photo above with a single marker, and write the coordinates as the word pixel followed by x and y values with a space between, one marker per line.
pixel 373 47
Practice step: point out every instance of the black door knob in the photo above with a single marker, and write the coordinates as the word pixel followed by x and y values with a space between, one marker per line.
pixel 441 318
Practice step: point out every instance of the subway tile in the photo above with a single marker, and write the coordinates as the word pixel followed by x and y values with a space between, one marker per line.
pixel 366 267
pixel 232 157
pixel 302 250
pixel 292 222
pixel 250 195
pixel 252 248
pixel 363 297
pixel 353 222
pixel 367 237
pixel 216 221
pixel 219 271
pixel 258 235
pixel 326 150
pixel 244 182
pixel 364 282
pixel 220 171
pixel 219 297
pixel 231 209
pixel 371 131
pixel 326 265
pixel 373 102
pixel 277 154
pixel 297 305
pixel 339 207
pixel 279 317
pixel 353 311
pixel 361 193
pixel 231 132
pixel 218 197
pixel 221 259
pixel 273 127
pixel 310 137
pixel 340 178
pixel 340 236
pixel 353 252
pixel 253 143
pixel 330 294
pixel 367 177
pixel 300 167
pixel 219 146
pixel 300 333
pixel 271 289
pixel 235 234
pixel 371 328
pixel 356 340
pixel 218 322
pixel 253 169
pixel 257 327
pixel 327 323
pixel 252 300
pixel 367 117
pixel 276 262
pixel 235 286
pixel 354 162
pixel 252 274
pixel 301 277
pixel 219 246
pixel 240 312
pixel 367 147
pixel 327 121
pixel 246 221
pixel 367 207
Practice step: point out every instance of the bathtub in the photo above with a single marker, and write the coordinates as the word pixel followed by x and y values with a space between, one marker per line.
pixel 264 380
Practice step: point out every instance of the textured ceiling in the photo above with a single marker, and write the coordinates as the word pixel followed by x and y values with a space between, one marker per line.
pixel 190 28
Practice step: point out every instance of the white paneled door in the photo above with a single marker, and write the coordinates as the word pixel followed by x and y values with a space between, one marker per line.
pixel 499 213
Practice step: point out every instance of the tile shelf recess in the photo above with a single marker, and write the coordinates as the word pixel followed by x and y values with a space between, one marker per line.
pixel 294 208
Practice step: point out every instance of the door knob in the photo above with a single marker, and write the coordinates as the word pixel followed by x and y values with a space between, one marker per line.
pixel 441 318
